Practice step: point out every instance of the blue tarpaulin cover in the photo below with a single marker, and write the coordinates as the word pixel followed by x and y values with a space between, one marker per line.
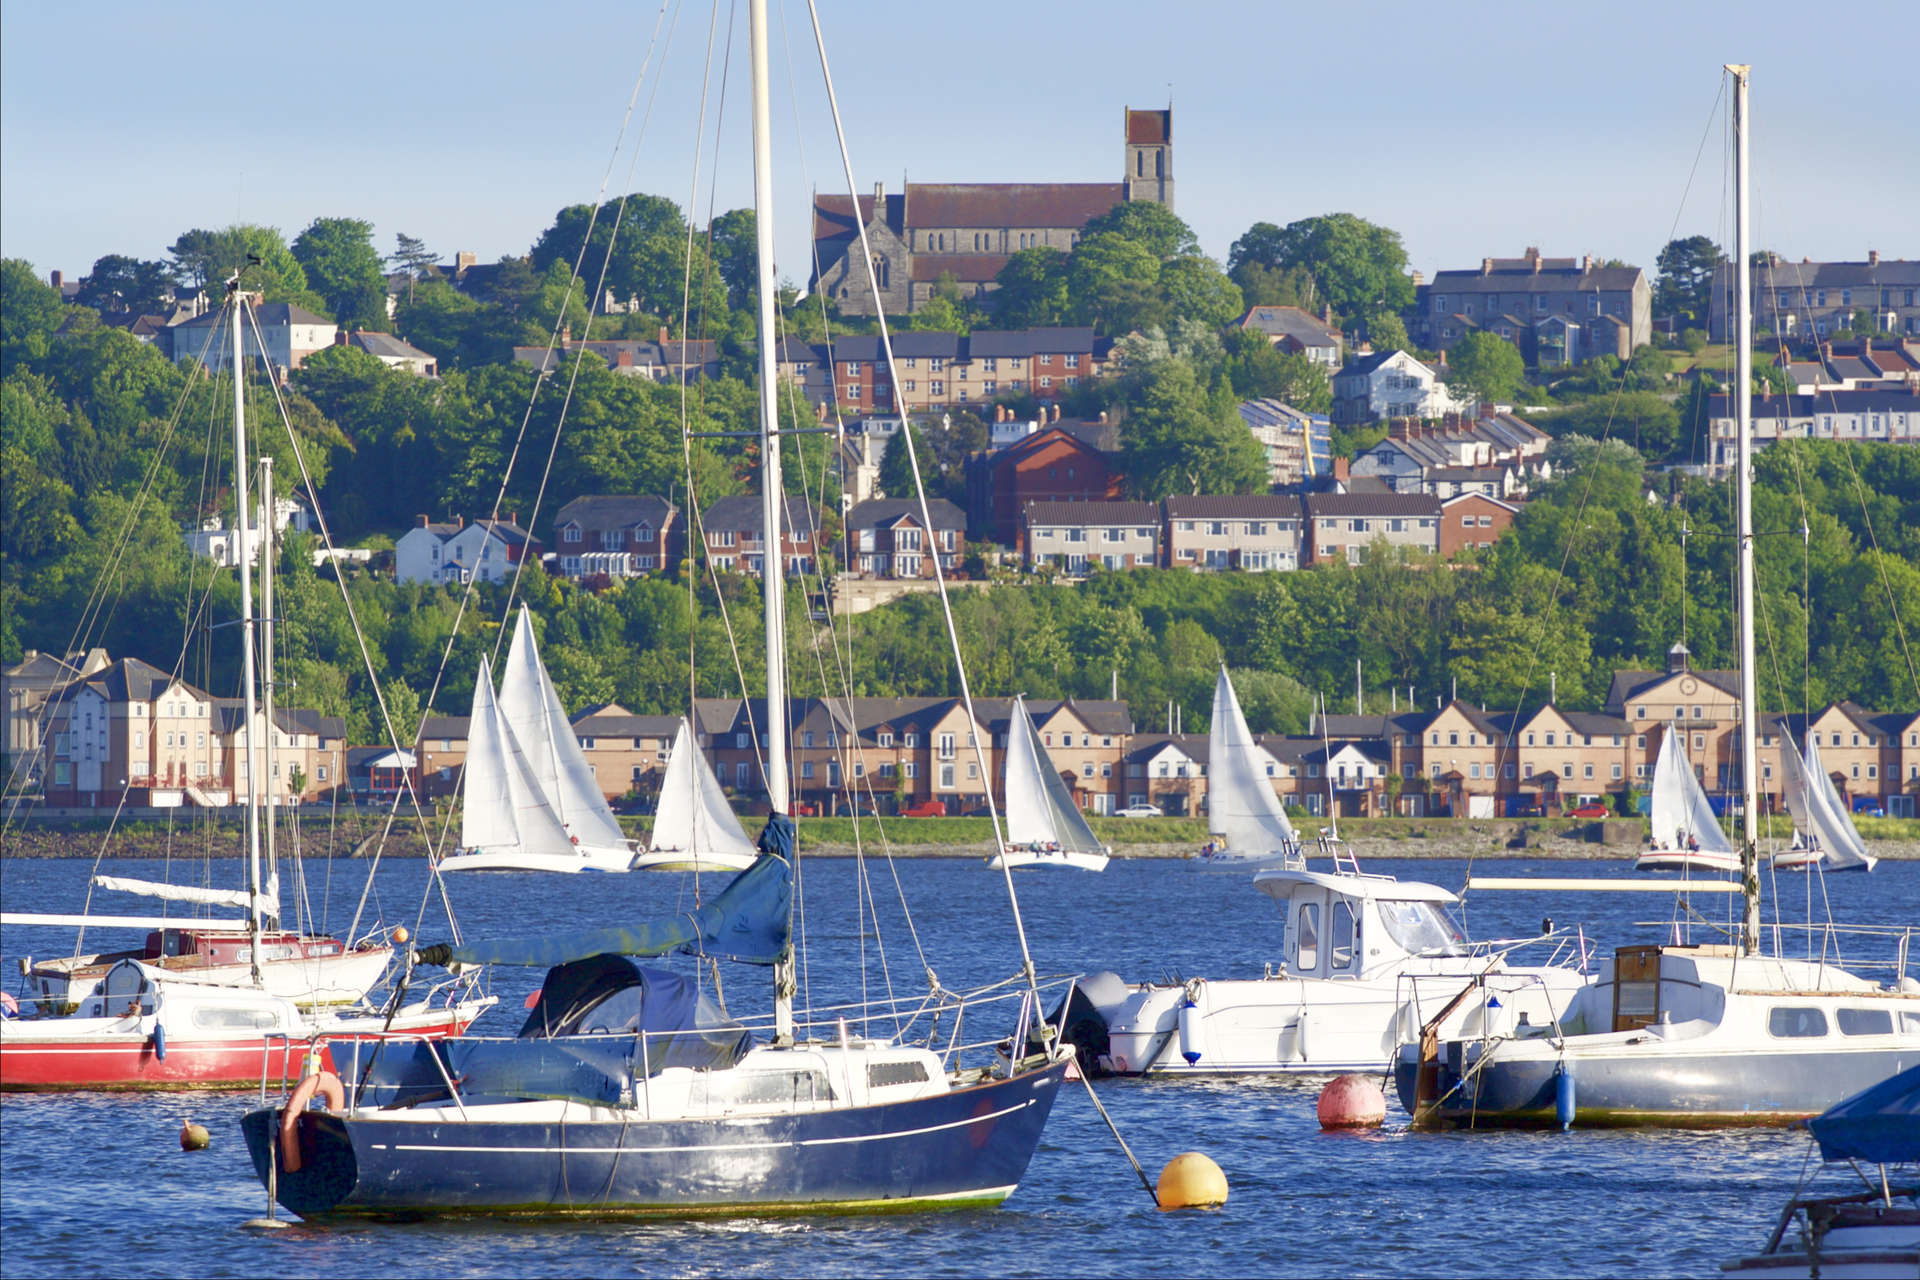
pixel 750 922
pixel 1881 1124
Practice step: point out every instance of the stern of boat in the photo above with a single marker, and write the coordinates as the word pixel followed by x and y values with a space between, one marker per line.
pixel 328 1168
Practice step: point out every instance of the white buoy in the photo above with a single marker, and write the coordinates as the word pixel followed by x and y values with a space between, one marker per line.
pixel 1190 1031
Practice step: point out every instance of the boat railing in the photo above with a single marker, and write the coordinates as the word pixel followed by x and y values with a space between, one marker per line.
pixel 1859 947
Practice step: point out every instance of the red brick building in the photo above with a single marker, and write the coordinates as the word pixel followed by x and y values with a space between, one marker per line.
pixel 1050 466
pixel 1473 520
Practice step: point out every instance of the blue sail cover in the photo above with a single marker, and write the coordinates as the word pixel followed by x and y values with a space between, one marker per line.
pixel 749 922
pixel 1881 1124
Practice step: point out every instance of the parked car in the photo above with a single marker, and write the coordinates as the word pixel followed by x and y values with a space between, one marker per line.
pixel 1588 811
pixel 1138 811
pixel 1868 807
pixel 925 809
pixel 805 809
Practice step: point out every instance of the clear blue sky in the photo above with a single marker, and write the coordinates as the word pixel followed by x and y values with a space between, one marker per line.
pixel 1470 129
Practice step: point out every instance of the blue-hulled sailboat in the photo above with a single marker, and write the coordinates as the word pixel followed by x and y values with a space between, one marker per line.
pixel 628 1093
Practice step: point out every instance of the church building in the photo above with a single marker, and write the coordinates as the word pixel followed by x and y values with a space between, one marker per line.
pixel 969 229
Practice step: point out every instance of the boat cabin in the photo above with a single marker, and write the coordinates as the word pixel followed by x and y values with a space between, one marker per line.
pixel 216 947
pixel 1344 925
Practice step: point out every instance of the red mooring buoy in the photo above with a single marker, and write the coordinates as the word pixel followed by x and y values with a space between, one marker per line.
pixel 1352 1102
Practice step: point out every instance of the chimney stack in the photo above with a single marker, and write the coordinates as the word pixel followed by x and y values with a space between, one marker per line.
pixel 339 337
pixel 1873 258
pixel 420 522
pixel 879 197
pixel 566 336
pixel 54 278
pixel 1486 266
pixel 663 335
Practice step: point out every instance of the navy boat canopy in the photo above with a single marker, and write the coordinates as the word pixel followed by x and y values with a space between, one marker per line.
pixel 1881 1124
pixel 750 921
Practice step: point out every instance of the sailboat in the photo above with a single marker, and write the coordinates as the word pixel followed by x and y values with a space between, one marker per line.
pixel 1045 828
pixel 627 1094
pixel 694 828
pixel 1691 1035
pixel 529 801
pixel 1685 836
pixel 1824 830
pixel 1244 814
pixel 212 1003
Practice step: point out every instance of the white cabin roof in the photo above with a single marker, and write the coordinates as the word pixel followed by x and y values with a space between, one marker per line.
pixel 1280 883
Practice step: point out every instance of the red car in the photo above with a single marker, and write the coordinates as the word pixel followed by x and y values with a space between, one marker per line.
pixel 926 809
pixel 1588 811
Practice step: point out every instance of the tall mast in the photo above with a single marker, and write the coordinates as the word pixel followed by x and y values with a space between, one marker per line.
pixel 771 501
pixel 270 764
pixel 244 524
pixel 1743 398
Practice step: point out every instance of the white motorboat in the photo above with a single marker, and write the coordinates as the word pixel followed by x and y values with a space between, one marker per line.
pixel 1045 828
pixel 694 828
pixel 1686 837
pixel 1244 814
pixel 529 801
pixel 1368 961
pixel 1702 1035
pixel 1824 834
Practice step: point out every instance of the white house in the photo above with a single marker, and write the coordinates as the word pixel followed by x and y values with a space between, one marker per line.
pixel 214 541
pixel 1389 384
pixel 291 334
pixel 485 549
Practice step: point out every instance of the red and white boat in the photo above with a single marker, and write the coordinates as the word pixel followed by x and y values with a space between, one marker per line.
pixel 309 969
pixel 139 1031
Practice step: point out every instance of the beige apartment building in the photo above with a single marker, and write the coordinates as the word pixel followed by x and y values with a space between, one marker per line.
pixel 1256 531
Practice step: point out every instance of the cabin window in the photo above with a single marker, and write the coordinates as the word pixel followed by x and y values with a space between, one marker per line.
pixel 881 1074
pixel 1864 1022
pixel 760 1088
pixel 1419 928
pixel 1796 1022
pixel 1346 937
pixel 247 1019
pixel 1307 938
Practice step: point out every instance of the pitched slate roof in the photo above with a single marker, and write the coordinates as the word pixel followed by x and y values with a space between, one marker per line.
pixel 130 680
pixel 1292 322
pixel 1148 127
pixel 454 727
pixel 1085 514
pixel 386 344
pixel 741 512
pixel 1630 684
pixel 1009 204
pixel 883 512
pixel 598 512
pixel 1372 504
pixel 1250 506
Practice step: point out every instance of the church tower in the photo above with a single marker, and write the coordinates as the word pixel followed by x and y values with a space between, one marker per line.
pixel 1149 171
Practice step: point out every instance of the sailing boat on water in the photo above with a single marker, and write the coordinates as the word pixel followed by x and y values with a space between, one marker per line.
pixel 1244 814
pixel 1686 836
pixel 1824 830
pixel 1045 828
pixel 694 828
pixel 626 1092
pixel 1693 1035
pixel 529 801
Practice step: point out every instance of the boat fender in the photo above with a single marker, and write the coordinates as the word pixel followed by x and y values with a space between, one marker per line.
pixel 1190 1029
pixel 159 1041
pixel 328 1086
pixel 1563 1096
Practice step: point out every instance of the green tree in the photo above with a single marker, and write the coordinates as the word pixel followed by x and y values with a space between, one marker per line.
pixel 206 258
pixel 1683 277
pixel 412 256
pixel 1387 332
pixel 1260 370
pixel 1154 227
pixel 344 268
pixel 1179 439
pixel 1113 281
pixel 30 310
pixel 120 283
pixel 735 249
pixel 1360 267
pixel 1194 288
pixel 1487 365
pixel 1032 289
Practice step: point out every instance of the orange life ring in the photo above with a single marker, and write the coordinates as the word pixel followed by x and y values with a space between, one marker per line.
pixel 331 1091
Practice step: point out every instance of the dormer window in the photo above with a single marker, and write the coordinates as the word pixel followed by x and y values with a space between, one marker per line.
pixel 570 534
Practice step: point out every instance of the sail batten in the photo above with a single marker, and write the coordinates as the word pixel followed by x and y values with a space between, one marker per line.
pixel 1242 806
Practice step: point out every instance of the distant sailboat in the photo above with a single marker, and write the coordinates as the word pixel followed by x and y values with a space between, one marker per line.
pixel 694 828
pixel 529 801
pixel 1045 828
pixel 1819 816
pixel 1244 814
pixel 1686 836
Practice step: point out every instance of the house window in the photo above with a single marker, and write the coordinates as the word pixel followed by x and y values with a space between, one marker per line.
pixel 571 533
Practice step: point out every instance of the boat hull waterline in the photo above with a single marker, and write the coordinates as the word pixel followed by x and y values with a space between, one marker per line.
pixel 965 1148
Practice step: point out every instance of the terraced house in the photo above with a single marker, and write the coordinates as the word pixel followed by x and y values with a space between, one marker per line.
pixel 616 536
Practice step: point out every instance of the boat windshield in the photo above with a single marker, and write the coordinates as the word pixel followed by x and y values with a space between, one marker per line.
pixel 1422 928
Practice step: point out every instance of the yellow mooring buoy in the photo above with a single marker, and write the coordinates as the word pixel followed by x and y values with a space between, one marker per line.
pixel 1191 1181
pixel 194 1137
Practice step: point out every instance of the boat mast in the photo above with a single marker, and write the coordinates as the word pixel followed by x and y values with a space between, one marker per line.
pixel 1743 398
pixel 270 765
pixel 244 523
pixel 771 500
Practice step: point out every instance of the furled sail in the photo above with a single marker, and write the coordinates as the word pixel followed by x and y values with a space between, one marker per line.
pixel 694 816
pixel 1242 807
pixel 539 724
pixel 1680 808
pixel 1040 808
pixel 269 903
pixel 1820 811
pixel 749 921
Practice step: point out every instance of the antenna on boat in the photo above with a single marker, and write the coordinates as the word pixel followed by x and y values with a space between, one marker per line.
pixel 1743 381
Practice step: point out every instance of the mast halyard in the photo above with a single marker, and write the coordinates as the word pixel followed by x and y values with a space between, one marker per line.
pixel 243 521
pixel 1743 398
pixel 771 500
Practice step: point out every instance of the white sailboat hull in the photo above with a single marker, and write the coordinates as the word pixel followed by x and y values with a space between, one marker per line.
pixel 584 859
pixel 307 980
pixel 1706 860
pixel 1069 859
pixel 690 860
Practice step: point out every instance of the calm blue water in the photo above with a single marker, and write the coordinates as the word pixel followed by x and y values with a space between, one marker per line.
pixel 96 1184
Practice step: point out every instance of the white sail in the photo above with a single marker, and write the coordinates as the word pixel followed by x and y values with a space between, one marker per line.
pixel 1825 815
pixel 694 816
pixel 502 807
pixel 1680 808
pixel 1040 809
pixel 1242 807
pixel 539 724
pixel 270 905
